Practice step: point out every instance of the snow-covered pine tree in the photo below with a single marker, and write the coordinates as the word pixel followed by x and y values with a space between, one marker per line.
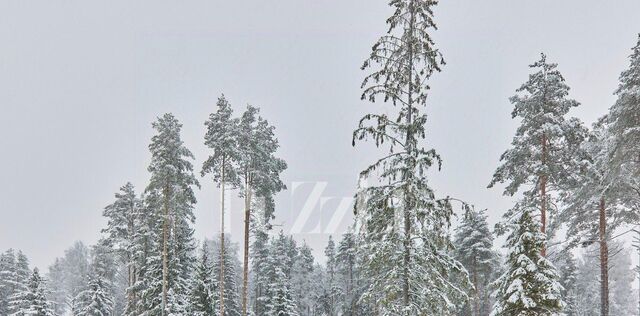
pixel 222 139
pixel 624 125
pixel 204 292
pixel 259 172
pixel 473 248
pixel 173 180
pixel 231 275
pixel 123 217
pixel 543 149
pixel 595 201
pixel 529 286
pixel 32 300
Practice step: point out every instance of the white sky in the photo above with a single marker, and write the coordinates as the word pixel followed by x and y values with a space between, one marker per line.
pixel 81 82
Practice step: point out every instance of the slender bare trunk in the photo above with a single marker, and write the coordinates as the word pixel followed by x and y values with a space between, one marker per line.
pixel 247 216
pixel 222 240
pixel 604 261
pixel 543 195
pixel 165 259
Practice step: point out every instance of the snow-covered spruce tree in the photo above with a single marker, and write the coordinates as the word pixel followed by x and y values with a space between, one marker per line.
pixel 231 275
pixel 19 285
pixel 567 268
pixel 263 209
pixel 348 271
pixel 148 257
pixel 332 284
pixel 173 180
pixel 587 281
pixel 67 277
pixel 32 300
pixel 543 149
pixel 55 287
pixel 530 286
pixel 280 301
pixel 7 279
pixel 222 139
pixel 259 173
pixel 123 217
pixel 204 292
pixel 473 248
pixel 403 226
pixel 97 298
pixel 301 286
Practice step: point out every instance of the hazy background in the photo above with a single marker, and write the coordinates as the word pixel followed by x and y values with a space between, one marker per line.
pixel 81 82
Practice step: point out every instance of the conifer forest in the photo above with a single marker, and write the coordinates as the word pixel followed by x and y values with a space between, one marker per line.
pixel 211 230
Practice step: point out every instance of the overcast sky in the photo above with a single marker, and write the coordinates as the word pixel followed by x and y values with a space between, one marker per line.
pixel 81 82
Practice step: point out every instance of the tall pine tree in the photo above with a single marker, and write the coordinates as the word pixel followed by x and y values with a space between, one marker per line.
pixel 545 143
pixel 172 179
pixel 222 139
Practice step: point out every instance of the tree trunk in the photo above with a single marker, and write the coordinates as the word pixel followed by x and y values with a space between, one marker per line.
pixel 165 259
pixel 476 303
pixel 604 261
pixel 543 196
pixel 247 216
pixel 409 144
pixel 222 239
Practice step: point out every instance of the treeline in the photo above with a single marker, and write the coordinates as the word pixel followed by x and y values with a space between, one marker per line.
pixel 577 190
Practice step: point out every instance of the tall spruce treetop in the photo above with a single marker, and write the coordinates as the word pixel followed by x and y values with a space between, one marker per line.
pixel 222 137
pixel 529 287
pixel 542 152
pixel 403 225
